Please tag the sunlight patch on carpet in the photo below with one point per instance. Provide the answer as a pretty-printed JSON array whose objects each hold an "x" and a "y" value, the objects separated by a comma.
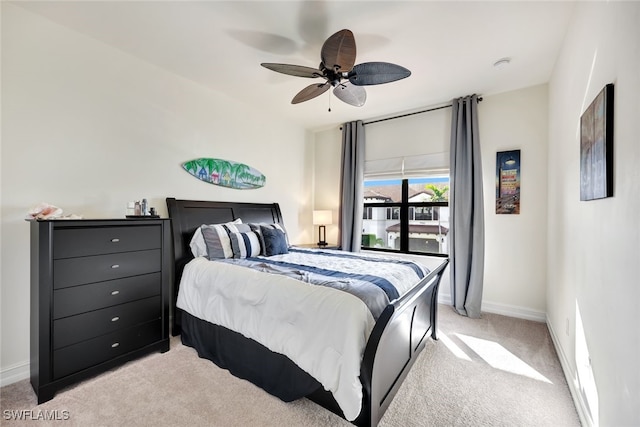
[
  {"x": 499, "y": 357},
  {"x": 457, "y": 351}
]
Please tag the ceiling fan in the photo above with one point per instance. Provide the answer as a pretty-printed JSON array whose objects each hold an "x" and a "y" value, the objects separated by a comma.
[{"x": 338, "y": 56}]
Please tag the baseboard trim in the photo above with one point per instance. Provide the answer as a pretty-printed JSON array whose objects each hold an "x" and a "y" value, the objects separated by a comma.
[
  {"x": 503, "y": 309},
  {"x": 514, "y": 311},
  {"x": 572, "y": 380},
  {"x": 14, "y": 373}
]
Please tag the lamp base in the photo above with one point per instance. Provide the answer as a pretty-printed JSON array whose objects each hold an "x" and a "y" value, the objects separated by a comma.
[{"x": 322, "y": 235}]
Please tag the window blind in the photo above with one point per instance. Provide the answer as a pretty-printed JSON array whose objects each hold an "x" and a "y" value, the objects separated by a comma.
[
  {"x": 407, "y": 166},
  {"x": 410, "y": 146}
]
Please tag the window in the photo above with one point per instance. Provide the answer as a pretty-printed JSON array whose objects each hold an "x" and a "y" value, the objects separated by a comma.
[
  {"x": 408, "y": 215},
  {"x": 393, "y": 213},
  {"x": 367, "y": 213}
]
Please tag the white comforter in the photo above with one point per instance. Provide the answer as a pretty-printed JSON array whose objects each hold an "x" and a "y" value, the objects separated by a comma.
[{"x": 281, "y": 313}]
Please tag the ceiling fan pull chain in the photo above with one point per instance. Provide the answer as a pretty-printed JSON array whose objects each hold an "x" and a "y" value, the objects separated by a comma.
[{"x": 329, "y": 101}]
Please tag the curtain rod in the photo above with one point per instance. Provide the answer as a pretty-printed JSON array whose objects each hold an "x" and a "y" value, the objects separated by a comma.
[{"x": 411, "y": 114}]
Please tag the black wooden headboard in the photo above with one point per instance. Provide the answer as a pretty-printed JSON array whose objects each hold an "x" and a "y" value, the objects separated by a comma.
[{"x": 187, "y": 215}]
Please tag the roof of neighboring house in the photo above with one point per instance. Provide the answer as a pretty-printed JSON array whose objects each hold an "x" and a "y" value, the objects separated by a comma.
[
  {"x": 429, "y": 195},
  {"x": 372, "y": 193},
  {"x": 393, "y": 193},
  {"x": 420, "y": 228}
]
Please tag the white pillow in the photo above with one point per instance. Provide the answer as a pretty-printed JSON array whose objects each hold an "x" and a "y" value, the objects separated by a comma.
[{"x": 199, "y": 246}]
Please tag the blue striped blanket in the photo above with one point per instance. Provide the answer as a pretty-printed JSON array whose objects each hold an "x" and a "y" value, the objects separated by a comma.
[{"x": 376, "y": 280}]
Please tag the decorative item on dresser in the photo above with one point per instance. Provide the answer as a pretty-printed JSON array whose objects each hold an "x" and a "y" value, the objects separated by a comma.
[{"x": 100, "y": 293}]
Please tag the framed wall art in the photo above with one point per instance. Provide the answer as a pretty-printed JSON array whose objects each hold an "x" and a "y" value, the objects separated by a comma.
[
  {"x": 508, "y": 182},
  {"x": 596, "y": 147}
]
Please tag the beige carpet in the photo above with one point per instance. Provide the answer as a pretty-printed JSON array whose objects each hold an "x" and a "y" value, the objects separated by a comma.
[{"x": 493, "y": 371}]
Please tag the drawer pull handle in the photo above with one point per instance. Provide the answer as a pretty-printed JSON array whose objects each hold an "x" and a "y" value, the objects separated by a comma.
[
  {"x": 115, "y": 319},
  {"x": 115, "y": 344},
  {"x": 116, "y": 240},
  {"x": 115, "y": 266},
  {"x": 115, "y": 292}
]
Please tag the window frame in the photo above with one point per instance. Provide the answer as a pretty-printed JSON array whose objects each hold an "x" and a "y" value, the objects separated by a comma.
[{"x": 404, "y": 206}]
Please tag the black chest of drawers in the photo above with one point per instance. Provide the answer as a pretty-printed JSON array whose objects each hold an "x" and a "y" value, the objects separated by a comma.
[{"x": 100, "y": 294}]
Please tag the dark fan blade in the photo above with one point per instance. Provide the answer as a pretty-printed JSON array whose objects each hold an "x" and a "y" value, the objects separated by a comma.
[
  {"x": 352, "y": 95},
  {"x": 339, "y": 51},
  {"x": 293, "y": 70},
  {"x": 375, "y": 73},
  {"x": 310, "y": 92}
]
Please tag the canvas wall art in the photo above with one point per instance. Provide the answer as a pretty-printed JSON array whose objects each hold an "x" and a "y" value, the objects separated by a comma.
[
  {"x": 508, "y": 182},
  {"x": 596, "y": 147}
]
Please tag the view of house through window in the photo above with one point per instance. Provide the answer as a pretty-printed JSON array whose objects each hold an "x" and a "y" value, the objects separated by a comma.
[{"x": 406, "y": 215}]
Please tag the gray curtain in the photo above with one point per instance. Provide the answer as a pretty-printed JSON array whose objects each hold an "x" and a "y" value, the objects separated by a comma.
[
  {"x": 351, "y": 178},
  {"x": 466, "y": 234}
]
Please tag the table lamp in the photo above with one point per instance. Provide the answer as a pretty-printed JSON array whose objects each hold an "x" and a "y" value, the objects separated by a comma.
[{"x": 322, "y": 218}]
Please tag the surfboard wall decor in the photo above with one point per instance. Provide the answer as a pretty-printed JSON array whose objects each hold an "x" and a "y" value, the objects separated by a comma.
[{"x": 225, "y": 173}]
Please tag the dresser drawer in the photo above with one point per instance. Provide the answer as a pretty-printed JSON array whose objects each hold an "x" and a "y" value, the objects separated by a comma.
[
  {"x": 88, "y": 353},
  {"x": 81, "y": 299},
  {"x": 73, "y": 242},
  {"x": 78, "y": 271},
  {"x": 74, "y": 329}
]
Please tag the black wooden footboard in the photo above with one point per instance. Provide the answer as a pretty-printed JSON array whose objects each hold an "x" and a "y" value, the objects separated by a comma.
[{"x": 395, "y": 342}]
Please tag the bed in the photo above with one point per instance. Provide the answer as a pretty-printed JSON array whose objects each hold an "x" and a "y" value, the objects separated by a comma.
[{"x": 393, "y": 339}]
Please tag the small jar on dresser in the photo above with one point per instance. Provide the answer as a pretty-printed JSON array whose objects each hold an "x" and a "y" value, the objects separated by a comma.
[{"x": 99, "y": 297}]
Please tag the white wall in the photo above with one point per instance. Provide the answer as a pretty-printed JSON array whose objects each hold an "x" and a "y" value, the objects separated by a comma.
[
  {"x": 88, "y": 128},
  {"x": 515, "y": 263},
  {"x": 515, "y": 245},
  {"x": 593, "y": 291},
  {"x": 326, "y": 188}
]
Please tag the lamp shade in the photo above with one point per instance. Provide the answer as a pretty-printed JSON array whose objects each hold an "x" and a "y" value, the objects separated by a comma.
[{"x": 323, "y": 217}]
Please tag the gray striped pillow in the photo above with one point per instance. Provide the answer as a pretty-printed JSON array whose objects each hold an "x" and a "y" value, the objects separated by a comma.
[
  {"x": 198, "y": 245},
  {"x": 216, "y": 237},
  {"x": 245, "y": 245}
]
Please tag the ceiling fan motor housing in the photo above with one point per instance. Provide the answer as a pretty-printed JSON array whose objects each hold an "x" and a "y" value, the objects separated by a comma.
[{"x": 333, "y": 76}]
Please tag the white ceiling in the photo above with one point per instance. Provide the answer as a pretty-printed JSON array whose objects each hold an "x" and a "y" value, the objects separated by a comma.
[{"x": 449, "y": 46}]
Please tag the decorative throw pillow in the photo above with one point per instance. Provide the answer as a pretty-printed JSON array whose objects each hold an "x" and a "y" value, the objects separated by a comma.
[
  {"x": 275, "y": 242},
  {"x": 245, "y": 245},
  {"x": 218, "y": 239},
  {"x": 256, "y": 227}
]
